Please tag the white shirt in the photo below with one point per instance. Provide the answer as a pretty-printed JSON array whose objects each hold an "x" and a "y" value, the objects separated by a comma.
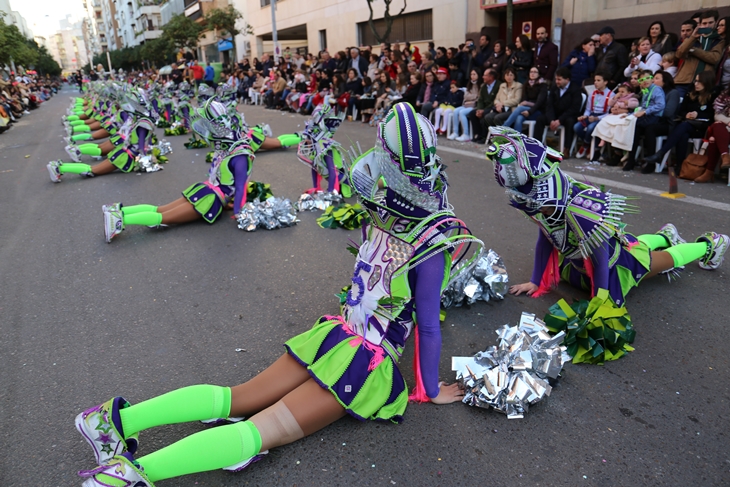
[
  {"x": 563, "y": 90},
  {"x": 599, "y": 104},
  {"x": 652, "y": 63}
]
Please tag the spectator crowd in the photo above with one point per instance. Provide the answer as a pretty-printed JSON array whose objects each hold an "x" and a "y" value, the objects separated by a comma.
[{"x": 22, "y": 93}]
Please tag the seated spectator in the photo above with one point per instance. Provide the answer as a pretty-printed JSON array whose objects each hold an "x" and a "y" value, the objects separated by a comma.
[
  {"x": 718, "y": 136},
  {"x": 702, "y": 51},
  {"x": 534, "y": 96},
  {"x": 427, "y": 63},
  {"x": 665, "y": 124},
  {"x": 439, "y": 91},
  {"x": 581, "y": 61},
  {"x": 660, "y": 41},
  {"x": 522, "y": 58},
  {"x": 373, "y": 66},
  {"x": 441, "y": 60},
  {"x": 356, "y": 101},
  {"x": 562, "y": 107},
  {"x": 646, "y": 59},
  {"x": 413, "y": 89},
  {"x": 278, "y": 85},
  {"x": 459, "y": 117},
  {"x": 454, "y": 99},
  {"x": 597, "y": 107},
  {"x": 455, "y": 73},
  {"x": 669, "y": 64},
  {"x": 508, "y": 97},
  {"x": 634, "y": 84},
  {"x": 695, "y": 115},
  {"x": 485, "y": 103},
  {"x": 616, "y": 128}
]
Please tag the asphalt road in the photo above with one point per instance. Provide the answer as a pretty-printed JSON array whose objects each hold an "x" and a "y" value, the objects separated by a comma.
[{"x": 82, "y": 321}]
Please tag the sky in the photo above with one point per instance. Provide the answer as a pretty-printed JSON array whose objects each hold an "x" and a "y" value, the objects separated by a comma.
[{"x": 43, "y": 16}]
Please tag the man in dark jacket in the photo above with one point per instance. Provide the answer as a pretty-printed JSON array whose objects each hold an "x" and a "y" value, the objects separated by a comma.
[
  {"x": 562, "y": 107},
  {"x": 358, "y": 63},
  {"x": 546, "y": 55},
  {"x": 485, "y": 104},
  {"x": 611, "y": 57}
]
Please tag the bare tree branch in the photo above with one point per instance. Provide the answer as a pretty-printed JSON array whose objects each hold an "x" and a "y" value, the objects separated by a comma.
[{"x": 387, "y": 17}]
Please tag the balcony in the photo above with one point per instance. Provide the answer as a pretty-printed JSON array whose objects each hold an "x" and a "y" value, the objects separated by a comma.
[{"x": 149, "y": 10}]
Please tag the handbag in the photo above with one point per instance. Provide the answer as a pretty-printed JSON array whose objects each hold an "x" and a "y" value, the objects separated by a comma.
[{"x": 693, "y": 166}]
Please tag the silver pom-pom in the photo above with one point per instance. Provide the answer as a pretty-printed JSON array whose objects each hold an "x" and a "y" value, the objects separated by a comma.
[
  {"x": 318, "y": 201},
  {"x": 164, "y": 146},
  {"x": 515, "y": 373},
  {"x": 486, "y": 280},
  {"x": 270, "y": 214},
  {"x": 147, "y": 164}
]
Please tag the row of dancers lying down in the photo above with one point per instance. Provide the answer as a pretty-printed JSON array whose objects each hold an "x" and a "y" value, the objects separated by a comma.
[{"x": 412, "y": 247}]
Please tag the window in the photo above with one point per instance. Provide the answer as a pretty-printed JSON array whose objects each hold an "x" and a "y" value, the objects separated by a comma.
[
  {"x": 415, "y": 26},
  {"x": 323, "y": 39},
  {"x": 266, "y": 3}
]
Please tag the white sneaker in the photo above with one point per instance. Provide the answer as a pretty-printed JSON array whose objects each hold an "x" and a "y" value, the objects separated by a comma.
[
  {"x": 464, "y": 138},
  {"x": 717, "y": 246},
  {"x": 581, "y": 152},
  {"x": 74, "y": 153},
  {"x": 53, "y": 171},
  {"x": 26, "y": 112},
  {"x": 452, "y": 136},
  {"x": 113, "y": 224}
]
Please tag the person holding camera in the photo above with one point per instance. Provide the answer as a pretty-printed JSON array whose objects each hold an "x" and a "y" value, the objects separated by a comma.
[{"x": 699, "y": 52}]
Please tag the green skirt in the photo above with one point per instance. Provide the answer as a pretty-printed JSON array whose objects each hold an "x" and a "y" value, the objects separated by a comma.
[{"x": 365, "y": 380}]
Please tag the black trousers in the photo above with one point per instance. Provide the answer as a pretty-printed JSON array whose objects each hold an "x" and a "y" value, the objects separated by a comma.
[{"x": 542, "y": 121}]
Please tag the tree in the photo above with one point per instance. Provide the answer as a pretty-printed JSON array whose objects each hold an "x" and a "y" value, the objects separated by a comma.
[
  {"x": 46, "y": 64},
  {"x": 223, "y": 22},
  {"x": 386, "y": 17},
  {"x": 181, "y": 31},
  {"x": 157, "y": 51}
]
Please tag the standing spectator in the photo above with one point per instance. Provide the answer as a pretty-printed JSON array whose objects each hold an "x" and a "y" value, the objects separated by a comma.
[
  {"x": 562, "y": 107},
  {"x": 482, "y": 52},
  {"x": 700, "y": 52},
  {"x": 522, "y": 58},
  {"x": 581, "y": 61},
  {"x": 176, "y": 75},
  {"x": 646, "y": 60},
  {"x": 696, "y": 113},
  {"x": 611, "y": 57},
  {"x": 534, "y": 96},
  {"x": 439, "y": 92},
  {"x": 667, "y": 121},
  {"x": 198, "y": 73},
  {"x": 298, "y": 60},
  {"x": 485, "y": 103},
  {"x": 723, "y": 67},
  {"x": 546, "y": 54},
  {"x": 432, "y": 50},
  {"x": 471, "y": 94},
  {"x": 685, "y": 31},
  {"x": 358, "y": 63},
  {"x": 209, "y": 77},
  {"x": 718, "y": 136},
  {"x": 497, "y": 59},
  {"x": 660, "y": 41},
  {"x": 508, "y": 97},
  {"x": 466, "y": 58},
  {"x": 596, "y": 109}
]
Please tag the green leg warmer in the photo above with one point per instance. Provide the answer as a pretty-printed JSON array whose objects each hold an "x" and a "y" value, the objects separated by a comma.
[
  {"x": 192, "y": 403},
  {"x": 654, "y": 241},
  {"x": 80, "y": 137},
  {"x": 72, "y": 118},
  {"x": 147, "y": 219},
  {"x": 75, "y": 123},
  {"x": 90, "y": 150},
  {"x": 683, "y": 254},
  {"x": 74, "y": 168},
  {"x": 131, "y": 210},
  {"x": 81, "y": 128},
  {"x": 212, "y": 449},
  {"x": 288, "y": 140}
]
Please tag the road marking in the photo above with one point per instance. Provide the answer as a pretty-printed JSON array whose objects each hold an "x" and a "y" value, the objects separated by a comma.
[{"x": 611, "y": 183}]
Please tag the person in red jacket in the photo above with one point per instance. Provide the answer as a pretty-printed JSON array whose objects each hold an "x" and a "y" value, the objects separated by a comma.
[{"x": 197, "y": 71}]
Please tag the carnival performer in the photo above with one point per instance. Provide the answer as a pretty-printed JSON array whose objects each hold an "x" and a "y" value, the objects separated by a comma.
[
  {"x": 345, "y": 364},
  {"x": 227, "y": 180},
  {"x": 321, "y": 153},
  {"x": 582, "y": 239},
  {"x": 136, "y": 142}
]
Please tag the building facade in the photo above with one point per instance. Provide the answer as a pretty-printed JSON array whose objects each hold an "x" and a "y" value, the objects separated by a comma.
[
  {"x": 68, "y": 47},
  {"x": 13, "y": 17},
  {"x": 211, "y": 48}
]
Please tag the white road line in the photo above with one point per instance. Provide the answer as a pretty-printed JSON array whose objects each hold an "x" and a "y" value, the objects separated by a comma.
[{"x": 611, "y": 183}]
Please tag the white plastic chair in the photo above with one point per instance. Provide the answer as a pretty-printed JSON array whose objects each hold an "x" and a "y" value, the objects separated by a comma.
[
  {"x": 530, "y": 127},
  {"x": 561, "y": 130}
]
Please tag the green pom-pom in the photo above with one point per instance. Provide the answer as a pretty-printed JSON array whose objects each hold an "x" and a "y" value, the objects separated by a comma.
[
  {"x": 258, "y": 191},
  {"x": 596, "y": 331},
  {"x": 344, "y": 215},
  {"x": 209, "y": 156},
  {"x": 195, "y": 143}
]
